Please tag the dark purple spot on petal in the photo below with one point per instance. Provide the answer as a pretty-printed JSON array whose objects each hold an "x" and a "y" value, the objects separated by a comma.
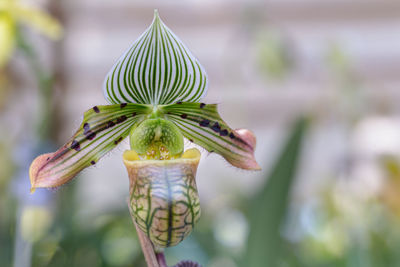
[
  {"x": 75, "y": 145},
  {"x": 216, "y": 127},
  {"x": 123, "y": 105},
  {"x": 202, "y": 105},
  {"x": 93, "y": 162},
  {"x": 96, "y": 109},
  {"x": 232, "y": 136},
  {"x": 48, "y": 158},
  {"x": 204, "y": 123},
  {"x": 223, "y": 133},
  {"x": 133, "y": 114},
  {"x": 90, "y": 135},
  {"x": 117, "y": 141},
  {"x": 179, "y": 102},
  {"x": 121, "y": 119},
  {"x": 110, "y": 124},
  {"x": 184, "y": 116}
]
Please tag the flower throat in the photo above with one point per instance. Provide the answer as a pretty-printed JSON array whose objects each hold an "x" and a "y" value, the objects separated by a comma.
[{"x": 157, "y": 139}]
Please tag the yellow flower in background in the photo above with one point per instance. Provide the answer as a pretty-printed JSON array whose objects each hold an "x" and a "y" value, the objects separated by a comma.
[
  {"x": 7, "y": 37},
  {"x": 13, "y": 13},
  {"x": 35, "y": 223}
]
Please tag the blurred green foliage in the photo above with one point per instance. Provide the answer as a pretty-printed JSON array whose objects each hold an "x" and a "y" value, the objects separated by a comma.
[
  {"x": 274, "y": 58},
  {"x": 108, "y": 240},
  {"x": 7, "y": 224},
  {"x": 269, "y": 207}
]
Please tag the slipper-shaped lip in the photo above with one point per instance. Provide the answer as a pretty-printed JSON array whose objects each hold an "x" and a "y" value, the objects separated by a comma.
[{"x": 168, "y": 185}]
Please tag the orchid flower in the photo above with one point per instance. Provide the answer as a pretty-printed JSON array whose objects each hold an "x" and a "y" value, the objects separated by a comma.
[{"x": 154, "y": 91}]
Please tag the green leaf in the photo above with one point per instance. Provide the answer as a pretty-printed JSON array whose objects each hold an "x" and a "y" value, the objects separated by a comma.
[
  {"x": 269, "y": 207},
  {"x": 102, "y": 129},
  {"x": 157, "y": 69},
  {"x": 201, "y": 124}
]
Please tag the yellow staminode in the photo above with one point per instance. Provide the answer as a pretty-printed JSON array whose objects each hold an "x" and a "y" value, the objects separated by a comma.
[
  {"x": 191, "y": 154},
  {"x": 131, "y": 155}
]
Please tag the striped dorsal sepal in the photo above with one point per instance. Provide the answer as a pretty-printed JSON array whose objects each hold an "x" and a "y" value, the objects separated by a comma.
[
  {"x": 200, "y": 123},
  {"x": 157, "y": 69},
  {"x": 102, "y": 129}
]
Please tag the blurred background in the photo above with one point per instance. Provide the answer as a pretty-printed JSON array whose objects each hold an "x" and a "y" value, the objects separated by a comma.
[{"x": 317, "y": 81}]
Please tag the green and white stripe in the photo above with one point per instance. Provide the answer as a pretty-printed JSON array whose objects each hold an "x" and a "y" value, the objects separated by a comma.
[
  {"x": 200, "y": 123},
  {"x": 102, "y": 129},
  {"x": 157, "y": 69}
]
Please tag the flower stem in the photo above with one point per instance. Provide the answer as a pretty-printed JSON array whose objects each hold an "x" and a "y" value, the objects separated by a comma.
[
  {"x": 147, "y": 248},
  {"x": 152, "y": 259},
  {"x": 161, "y": 259}
]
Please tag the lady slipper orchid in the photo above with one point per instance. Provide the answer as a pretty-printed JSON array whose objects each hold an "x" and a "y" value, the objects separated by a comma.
[{"x": 154, "y": 91}]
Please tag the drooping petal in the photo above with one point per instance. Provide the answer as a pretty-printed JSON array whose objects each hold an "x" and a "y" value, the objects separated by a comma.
[
  {"x": 102, "y": 129},
  {"x": 157, "y": 69},
  {"x": 201, "y": 124}
]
